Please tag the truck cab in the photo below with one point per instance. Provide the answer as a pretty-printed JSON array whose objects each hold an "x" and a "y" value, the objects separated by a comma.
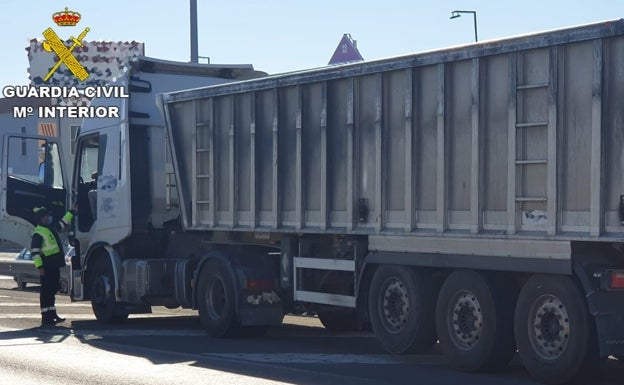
[{"x": 121, "y": 177}]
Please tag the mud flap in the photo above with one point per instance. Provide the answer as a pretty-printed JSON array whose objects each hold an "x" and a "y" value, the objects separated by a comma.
[
  {"x": 261, "y": 308},
  {"x": 611, "y": 334},
  {"x": 606, "y": 307}
]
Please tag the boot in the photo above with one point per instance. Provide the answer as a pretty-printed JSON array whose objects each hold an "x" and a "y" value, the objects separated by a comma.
[
  {"x": 47, "y": 318},
  {"x": 56, "y": 318}
]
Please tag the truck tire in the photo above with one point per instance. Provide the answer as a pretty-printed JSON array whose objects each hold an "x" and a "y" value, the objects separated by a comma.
[
  {"x": 553, "y": 330},
  {"x": 215, "y": 300},
  {"x": 401, "y": 305},
  {"x": 339, "y": 320},
  {"x": 105, "y": 308},
  {"x": 474, "y": 321}
]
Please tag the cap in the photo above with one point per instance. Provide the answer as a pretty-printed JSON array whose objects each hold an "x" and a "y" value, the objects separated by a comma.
[{"x": 40, "y": 212}]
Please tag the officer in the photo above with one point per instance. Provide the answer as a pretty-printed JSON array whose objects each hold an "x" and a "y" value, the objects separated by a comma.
[{"x": 49, "y": 256}]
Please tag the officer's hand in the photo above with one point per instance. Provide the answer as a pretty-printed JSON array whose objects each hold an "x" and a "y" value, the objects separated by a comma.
[{"x": 41, "y": 271}]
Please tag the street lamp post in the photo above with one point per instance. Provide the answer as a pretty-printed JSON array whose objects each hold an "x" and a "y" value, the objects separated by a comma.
[
  {"x": 456, "y": 14},
  {"x": 194, "y": 45}
]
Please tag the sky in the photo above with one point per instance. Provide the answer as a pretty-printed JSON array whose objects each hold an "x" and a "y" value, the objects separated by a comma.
[{"x": 286, "y": 35}]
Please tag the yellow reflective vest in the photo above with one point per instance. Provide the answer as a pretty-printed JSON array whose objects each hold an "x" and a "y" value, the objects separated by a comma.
[{"x": 49, "y": 245}]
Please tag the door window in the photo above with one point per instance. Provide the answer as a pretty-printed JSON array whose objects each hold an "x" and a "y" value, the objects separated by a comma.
[
  {"x": 90, "y": 167},
  {"x": 34, "y": 177}
]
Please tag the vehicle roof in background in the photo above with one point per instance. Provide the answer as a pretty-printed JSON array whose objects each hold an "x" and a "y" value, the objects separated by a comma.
[{"x": 225, "y": 71}]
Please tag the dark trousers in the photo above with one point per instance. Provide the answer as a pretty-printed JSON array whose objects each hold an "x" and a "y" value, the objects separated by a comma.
[{"x": 49, "y": 287}]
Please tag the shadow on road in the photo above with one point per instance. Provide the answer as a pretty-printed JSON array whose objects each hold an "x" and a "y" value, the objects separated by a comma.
[{"x": 38, "y": 335}]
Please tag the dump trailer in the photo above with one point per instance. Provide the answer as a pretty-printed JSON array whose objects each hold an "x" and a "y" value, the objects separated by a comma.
[{"x": 470, "y": 196}]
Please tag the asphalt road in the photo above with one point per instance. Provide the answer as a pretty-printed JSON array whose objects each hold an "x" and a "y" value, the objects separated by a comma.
[{"x": 169, "y": 347}]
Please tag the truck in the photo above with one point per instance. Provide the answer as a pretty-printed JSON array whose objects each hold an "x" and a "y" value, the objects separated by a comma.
[{"x": 471, "y": 197}]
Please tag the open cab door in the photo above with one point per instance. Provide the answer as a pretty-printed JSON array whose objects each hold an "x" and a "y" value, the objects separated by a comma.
[{"x": 30, "y": 176}]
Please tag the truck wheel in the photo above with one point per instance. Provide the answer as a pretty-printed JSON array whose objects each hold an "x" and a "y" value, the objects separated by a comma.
[
  {"x": 474, "y": 322},
  {"x": 103, "y": 303},
  {"x": 401, "y": 304},
  {"x": 339, "y": 320},
  {"x": 215, "y": 300},
  {"x": 553, "y": 330}
]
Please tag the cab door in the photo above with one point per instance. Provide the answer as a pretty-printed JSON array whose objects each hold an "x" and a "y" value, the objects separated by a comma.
[
  {"x": 102, "y": 194},
  {"x": 31, "y": 176}
]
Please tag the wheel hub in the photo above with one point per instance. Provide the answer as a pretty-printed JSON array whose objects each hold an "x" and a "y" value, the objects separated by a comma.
[
  {"x": 215, "y": 299},
  {"x": 395, "y": 305},
  {"x": 549, "y": 329},
  {"x": 465, "y": 320},
  {"x": 101, "y": 290}
]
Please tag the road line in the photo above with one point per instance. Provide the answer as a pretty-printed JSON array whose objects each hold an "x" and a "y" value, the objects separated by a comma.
[
  {"x": 38, "y": 315},
  {"x": 21, "y": 341},
  {"x": 96, "y": 334},
  {"x": 58, "y": 305},
  {"x": 71, "y": 316}
]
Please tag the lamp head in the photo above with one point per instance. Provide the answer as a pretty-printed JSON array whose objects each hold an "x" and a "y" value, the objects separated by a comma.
[{"x": 455, "y": 15}]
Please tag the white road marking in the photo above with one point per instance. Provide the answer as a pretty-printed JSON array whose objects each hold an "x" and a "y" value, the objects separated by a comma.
[
  {"x": 70, "y": 317},
  {"x": 96, "y": 334},
  {"x": 31, "y": 304},
  {"x": 38, "y": 315},
  {"x": 308, "y": 358},
  {"x": 21, "y": 341}
]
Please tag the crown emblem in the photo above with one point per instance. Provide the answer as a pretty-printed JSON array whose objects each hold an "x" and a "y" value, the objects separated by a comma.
[{"x": 66, "y": 18}]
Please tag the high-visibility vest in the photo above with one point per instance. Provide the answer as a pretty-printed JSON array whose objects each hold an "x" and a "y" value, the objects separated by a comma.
[{"x": 49, "y": 245}]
